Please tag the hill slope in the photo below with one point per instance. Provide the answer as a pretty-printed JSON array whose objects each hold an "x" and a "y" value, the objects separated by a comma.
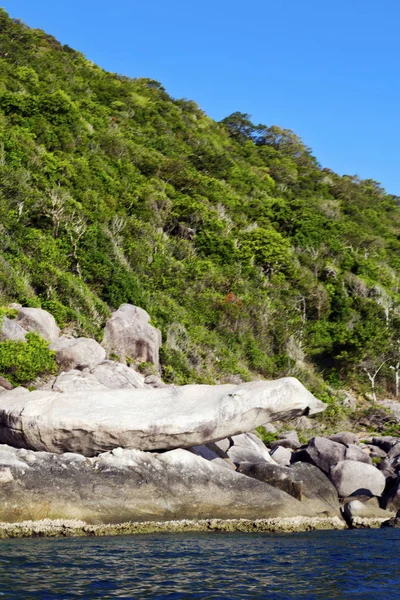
[{"x": 251, "y": 258}]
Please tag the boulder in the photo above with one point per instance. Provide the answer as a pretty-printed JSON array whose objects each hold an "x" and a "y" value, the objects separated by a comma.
[
  {"x": 148, "y": 419},
  {"x": 77, "y": 353},
  {"x": 344, "y": 437},
  {"x": 351, "y": 477},
  {"x": 11, "y": 330},
  {"x": 385, "y": 442},
  {"x": 354, "y": 452},
  {"x": 394, "y": 408},
  {"x": 76, "y": 381},
  {"x": 117, "y": 376},
  {"x": 302, "y": 481},
  {"x": 287, "y": 439},
  {"x": 247, "y": 447},
  {"x": 360, "y": 514},
  {"x": 5, "y": 384},
  {"x": 323, "y": 453},
  {"x": 39, "y": 321},
  {"x": 130, "y": 485},
  {"x": 208, "y": 453},
  {"x": 128, "y": 334},
  {"x": 282, "y": 456}
]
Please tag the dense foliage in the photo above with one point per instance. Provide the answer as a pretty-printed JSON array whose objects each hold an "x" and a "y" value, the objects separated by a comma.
[{"x": 249, "y": 256}]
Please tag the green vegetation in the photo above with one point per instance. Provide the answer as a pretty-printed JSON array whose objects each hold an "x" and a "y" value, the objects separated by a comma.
[
  {"x": 22, "y": 362},
  {"x": 251, "y": 258}
]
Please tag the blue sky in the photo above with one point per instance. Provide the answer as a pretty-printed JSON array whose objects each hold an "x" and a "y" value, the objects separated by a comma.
[{"x": 328, "y": 69}]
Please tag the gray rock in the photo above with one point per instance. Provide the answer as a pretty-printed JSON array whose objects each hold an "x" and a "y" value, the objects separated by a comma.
[
  {"x": 393, "y": 406},
  {"x": 149, "y": 419},
  {"x": 11, "y": 330},
  {"x": 370, "y": 510},
  {"x": 354, "y": 452},
  {"x": 76, "y": 381},
  {"x": 376, "y": 452},
  {"x": 5, "y": 384},
  {"x": 40, "y": 321},
  {"x": 209, "y": 454},
  {"x": 130, "y": 485},
  {"x": 287, "y": 439},
  {"x": 154, "y": 381},
  {"x": 128, "y": 334},
  {"x": 324, "y": 453},
  {"x": 5, "y": 475},
  {"x": 281, "y": 455},
  {"x": 117, "y": 376},
  {"x": 385, "y": 442},
  {"x": 349, "y": 399},
  {"x": 247, "y": 447},
  {"x": 302, "y": 481},
  {"x": 344, "y": 437},
  {"x": 351, "y": 477},
  {"x": 77, "y": 353}
]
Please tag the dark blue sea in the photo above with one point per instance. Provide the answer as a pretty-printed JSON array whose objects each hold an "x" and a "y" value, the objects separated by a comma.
[{"x": 326, "y": 564}]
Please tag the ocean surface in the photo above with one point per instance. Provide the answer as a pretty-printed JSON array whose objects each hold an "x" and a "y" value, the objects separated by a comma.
[{"x": 320, "y": 564}]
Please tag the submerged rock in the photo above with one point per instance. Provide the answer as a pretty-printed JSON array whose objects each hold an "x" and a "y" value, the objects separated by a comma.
[{"x": 148, "y": 419}]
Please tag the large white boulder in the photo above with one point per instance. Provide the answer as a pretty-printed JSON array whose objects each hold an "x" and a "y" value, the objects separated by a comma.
[
  {"x": 148, "y": 419},
  {"x": 128, "y": 334},
  {"x": 39, "y": 321},
  {"x": 77, "y": 353}
]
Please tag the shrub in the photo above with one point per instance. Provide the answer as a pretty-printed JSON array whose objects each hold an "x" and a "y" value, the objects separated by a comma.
[{"x": 21, "y": 362}]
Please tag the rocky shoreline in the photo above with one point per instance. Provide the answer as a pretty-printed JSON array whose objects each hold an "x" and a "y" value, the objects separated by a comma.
[
  {"x": 59, "y": 528},
  {"x": 102, "y": 450}
]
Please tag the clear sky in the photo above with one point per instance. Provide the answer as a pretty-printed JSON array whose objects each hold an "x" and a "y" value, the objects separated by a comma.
[{"x": 328, "y": 69}]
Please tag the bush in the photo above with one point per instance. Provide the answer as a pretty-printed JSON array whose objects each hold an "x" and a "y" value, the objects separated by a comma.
[{"x": 22, "y": 362}]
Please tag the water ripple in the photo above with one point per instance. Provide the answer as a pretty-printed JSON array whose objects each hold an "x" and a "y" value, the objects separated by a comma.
[{"x": 312, "y": 566}]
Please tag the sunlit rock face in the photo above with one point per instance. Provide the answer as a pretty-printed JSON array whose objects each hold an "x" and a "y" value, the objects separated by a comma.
[
  {"x": 131, "y": 485},
  {"x": 89, "y": 422}
]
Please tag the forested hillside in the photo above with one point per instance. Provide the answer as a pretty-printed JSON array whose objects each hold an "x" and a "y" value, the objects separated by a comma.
[{"x": 251, "y": 258}]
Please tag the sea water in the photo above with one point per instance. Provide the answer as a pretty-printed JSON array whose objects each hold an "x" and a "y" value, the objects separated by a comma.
[{"x": 319, "y": 564}]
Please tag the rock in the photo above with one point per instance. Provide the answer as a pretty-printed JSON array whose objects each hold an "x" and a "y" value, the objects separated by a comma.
[
  {"x": 154, "y": 381},
  {"x": 354, "y": 452},
  {"x": 302, "y": 481},
  {"x": 130, "y": 485},
  {"x": 128, "y": 334},
  {"x": 40, "y": 321},
  {"x": 352, "y": 477},
  {"x": 5, "y": 384},
  {"x": 391, "y": 498},
  {"x": 209, "y": 454},
  {"x": 324, "y": 453},
  {"x": 349, "y": 400},
  {"x": 117, "y": 376},
  {"x": 5, "y": 475},
  {"x": 247, "y": 447},
  {"x": 344, "y": 437},
  {"x": 77, "y": 353},
  {"x": 393, "y": 406},
  {"x": 281, "y": 455},
  {"x": 375, "y": 452},
  {"x": 149, "y": 419},
  {"x": 287, "y": 439},
  {"x": 11, "y": 330},
  {"x": 385, "y": 442},
  {"x": 358, "y": 514},
  {"x": 76, "y": 381}
]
